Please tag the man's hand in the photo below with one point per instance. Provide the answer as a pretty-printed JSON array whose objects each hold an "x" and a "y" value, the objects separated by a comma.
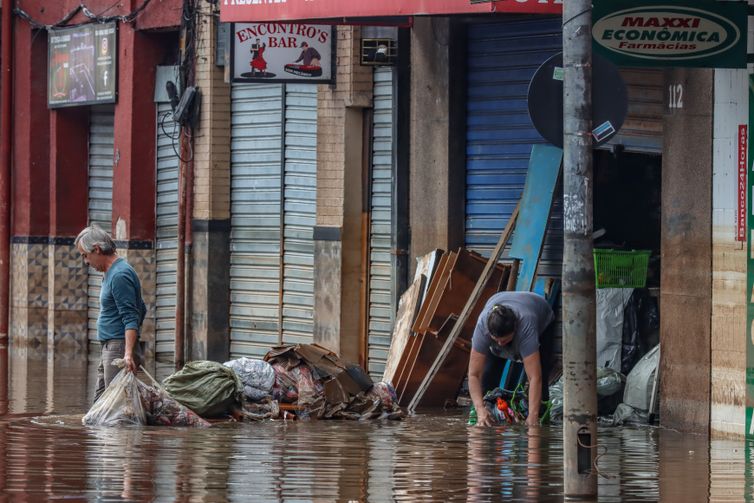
[
  {"x": 132, "y": 339},
  {"x": 483, "y": 417},
  {"x": 130, "y": 363}
]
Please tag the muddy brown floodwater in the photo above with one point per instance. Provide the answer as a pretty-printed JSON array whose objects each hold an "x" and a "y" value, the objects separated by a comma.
[{"x": 46, "y": 454}]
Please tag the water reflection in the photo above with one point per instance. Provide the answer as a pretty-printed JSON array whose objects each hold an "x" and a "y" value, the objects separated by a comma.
[{"x": 425, "y": 458}]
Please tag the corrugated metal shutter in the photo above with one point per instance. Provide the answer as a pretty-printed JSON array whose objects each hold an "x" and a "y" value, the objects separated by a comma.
[
  {"x": 256, "y": 139},
  {"x": 382, "y": 293},
  {"x": 101, "y": 149},
  {"x": 166, "y": 244},
  {"x": 299, "y": 212},
  {"x": 642, "y": 129},
  {"x": 502, "y": 58}
]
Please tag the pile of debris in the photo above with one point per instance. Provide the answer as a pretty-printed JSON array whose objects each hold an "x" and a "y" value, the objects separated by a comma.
[
  {"x": 303, "y": 381},
  {"x": 309, "y": 381}
]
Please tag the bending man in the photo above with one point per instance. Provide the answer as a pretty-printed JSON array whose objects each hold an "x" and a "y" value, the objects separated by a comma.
[
  {"x": 122, "y": 308},
  {"x": 512, "y": 326}
]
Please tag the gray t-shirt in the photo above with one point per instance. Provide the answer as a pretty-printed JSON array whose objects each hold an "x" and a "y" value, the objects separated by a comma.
[{"x": 533, "y": 314}]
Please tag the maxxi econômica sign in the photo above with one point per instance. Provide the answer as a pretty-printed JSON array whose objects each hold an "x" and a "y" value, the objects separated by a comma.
[{"x": 670, "y": 33}]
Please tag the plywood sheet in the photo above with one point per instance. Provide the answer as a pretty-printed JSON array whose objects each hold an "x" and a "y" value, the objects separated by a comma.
[{"x": 408, "y": 307}]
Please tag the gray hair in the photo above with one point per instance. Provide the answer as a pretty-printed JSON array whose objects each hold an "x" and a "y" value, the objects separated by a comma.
[{"x": 95, "y": 236}]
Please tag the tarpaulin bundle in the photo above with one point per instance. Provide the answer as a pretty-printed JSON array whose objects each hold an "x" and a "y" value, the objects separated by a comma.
[
  {"x": 324, "y": 386},
  {"x": 208, "y": 388}
]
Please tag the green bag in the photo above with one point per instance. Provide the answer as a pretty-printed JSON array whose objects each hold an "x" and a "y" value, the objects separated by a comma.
[{"x": 208, "y": 388}]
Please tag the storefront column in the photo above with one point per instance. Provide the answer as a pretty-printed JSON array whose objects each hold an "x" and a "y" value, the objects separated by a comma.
[
  {"x": 686, "y": 282},
  {"x": 29, "y": 254},
  {"x": 338, "y": 234},
  {"x": 209, "y": 334},
  {"x": 134, "y": 164},
  {"x": 437, "y": 136}
]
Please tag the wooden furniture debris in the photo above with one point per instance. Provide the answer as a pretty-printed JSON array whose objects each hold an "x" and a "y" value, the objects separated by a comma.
[
  {"x": 535, "y": 205},
  {"x": 470, "y": 304}
]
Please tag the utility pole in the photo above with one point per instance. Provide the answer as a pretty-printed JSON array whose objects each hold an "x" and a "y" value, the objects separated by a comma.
[{"x": 579, "y": 330}]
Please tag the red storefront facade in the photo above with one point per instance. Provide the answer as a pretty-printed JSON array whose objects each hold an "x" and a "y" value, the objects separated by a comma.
[{"x": 51, "y": 150}]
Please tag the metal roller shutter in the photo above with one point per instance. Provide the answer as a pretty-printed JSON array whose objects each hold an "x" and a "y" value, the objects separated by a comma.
[
  {"x": 273, "y": 213},
  {"x": 502, "y": 58},
  {"x": 256, "y": 139},
  {"x": 642, "y": 129},
  {"x": 299, "y": 212},
  {"x": 166, "y": 243},
  {"x": 382, "y": 272},
  {"x": 100, "y": 205}
]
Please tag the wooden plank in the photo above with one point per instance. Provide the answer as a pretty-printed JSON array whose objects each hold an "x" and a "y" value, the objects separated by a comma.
[
  {"x": 408, "y": 307},
  {"x": 427, "y": 265},
  {"x": 408, "y": 364},
  {"x": 535, "y": 204},
  {"x": 513, "y": 276},
  {"x": 439, "y": 280},
  {"x": 430, "y": 265},
  {"x": 470, "y": 303}
]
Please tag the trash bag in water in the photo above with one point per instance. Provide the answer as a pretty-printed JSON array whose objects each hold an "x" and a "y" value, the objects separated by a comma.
[
  {"x": 208, "y": 388},
  {"x": 163, "y": 410},
  {"x": 641, "y": 321},
  {"x": 610, "y": 384},
  {"x": 257, "y": 377},
  {"x": 556, "y": 399},
  {"x": 120, "y": 404}
]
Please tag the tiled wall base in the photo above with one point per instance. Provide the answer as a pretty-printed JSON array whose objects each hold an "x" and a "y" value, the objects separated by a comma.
[
  {"x": 29, "y": 297},
  {"x": 67, "y": 312},
  {"x": 49, "y": 311},
  {"x": 143, "y": 262}
]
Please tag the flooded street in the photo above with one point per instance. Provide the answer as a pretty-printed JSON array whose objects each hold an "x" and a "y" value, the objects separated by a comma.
[{"x": 430, "y": 457}]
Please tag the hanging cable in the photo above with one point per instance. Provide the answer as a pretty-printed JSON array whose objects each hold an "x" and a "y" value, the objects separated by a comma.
[{"x": 93, "y": 18}]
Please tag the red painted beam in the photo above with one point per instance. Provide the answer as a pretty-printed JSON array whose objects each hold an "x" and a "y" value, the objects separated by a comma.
[
  {"x": 6, "y": 124},
  {"x": 69, "y": 135},
  {"x": 135, "y": 133},
  {"x": 31, "y": 139}
]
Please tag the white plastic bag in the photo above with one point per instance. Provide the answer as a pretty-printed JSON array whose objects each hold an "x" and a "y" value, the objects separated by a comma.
[{"x": 119, "y": 405}]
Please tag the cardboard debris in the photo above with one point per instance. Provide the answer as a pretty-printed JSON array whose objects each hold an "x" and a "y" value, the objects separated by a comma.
[{"x": 341, "y": 389}]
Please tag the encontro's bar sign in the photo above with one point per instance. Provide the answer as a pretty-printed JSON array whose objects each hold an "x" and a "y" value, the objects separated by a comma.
[
  {"x": 282, "y": 52},
  {"x": 291, "y": 10},
  {"x": 671, "y": 33}
]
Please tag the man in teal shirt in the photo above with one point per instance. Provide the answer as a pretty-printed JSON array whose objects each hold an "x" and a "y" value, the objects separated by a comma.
[{"x": 122, "y": 308}]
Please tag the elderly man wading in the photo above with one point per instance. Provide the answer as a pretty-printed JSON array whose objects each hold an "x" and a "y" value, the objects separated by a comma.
[{"x": 122, "y": 309}]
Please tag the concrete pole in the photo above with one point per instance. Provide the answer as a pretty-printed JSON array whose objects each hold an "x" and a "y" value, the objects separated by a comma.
[{"x": 579, "y": 331}]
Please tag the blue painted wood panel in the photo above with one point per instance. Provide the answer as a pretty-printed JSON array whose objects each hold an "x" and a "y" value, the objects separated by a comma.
[{"x": 536, "y": 202}]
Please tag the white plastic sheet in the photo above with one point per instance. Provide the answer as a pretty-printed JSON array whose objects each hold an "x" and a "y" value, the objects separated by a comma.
[{"x": 610, "y": 305}]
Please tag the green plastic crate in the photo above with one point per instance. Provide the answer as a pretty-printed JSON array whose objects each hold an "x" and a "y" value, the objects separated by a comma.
[{"x": 620, "y": 268}]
